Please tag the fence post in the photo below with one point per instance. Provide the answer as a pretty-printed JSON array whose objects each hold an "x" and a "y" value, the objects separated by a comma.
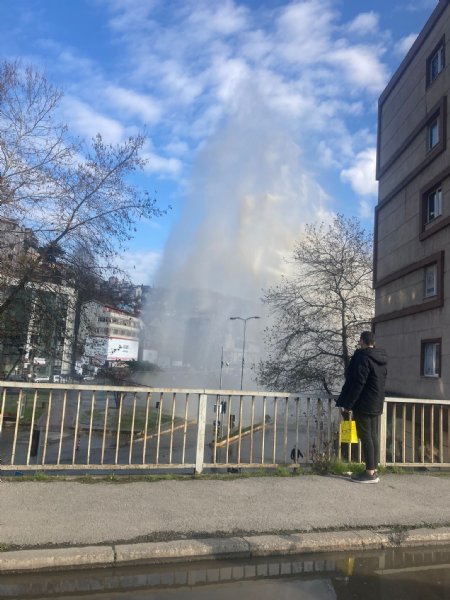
[
  {"x": 201, "y": 424},
  {"x": 383, "y": 426}
]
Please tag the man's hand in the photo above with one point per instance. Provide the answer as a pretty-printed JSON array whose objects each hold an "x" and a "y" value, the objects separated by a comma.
[{"x": 345, "y": 414}]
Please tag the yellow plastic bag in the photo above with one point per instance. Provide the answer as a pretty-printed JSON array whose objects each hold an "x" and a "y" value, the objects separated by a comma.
[{"x": 348, "y": 432}]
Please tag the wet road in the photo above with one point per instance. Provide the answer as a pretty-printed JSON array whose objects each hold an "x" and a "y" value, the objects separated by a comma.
[{"x": 400, "y": 574}]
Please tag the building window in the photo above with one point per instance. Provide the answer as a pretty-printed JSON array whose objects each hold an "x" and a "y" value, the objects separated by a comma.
[
  {"x": 433, "y": 134},
  {"x": 433, "y": 207},
  {"x": 431, "y": 358},
  {"x": 430, "y": 281},
  {"x": 436, "y": 63}
]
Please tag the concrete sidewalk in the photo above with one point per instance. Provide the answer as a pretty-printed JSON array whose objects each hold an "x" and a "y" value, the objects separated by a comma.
[{"x": 112, "y": 523}]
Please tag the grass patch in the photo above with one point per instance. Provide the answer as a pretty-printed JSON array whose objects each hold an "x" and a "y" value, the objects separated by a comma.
[
  {"x": 394, "y": 469},
  {"x": 28, "y": 414},
  {"x": 92, "y": 479},
  {"x": 11, "y": 405},
  {"x": 280, "y": 471},
  {"x": 291, "y": 470},
  {"x": 338, "y": 467}
]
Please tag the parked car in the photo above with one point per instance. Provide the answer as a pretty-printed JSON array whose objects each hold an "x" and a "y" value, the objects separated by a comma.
[
  {"x": 41, "y": 379},
  {"x": 14, "y": 377}
]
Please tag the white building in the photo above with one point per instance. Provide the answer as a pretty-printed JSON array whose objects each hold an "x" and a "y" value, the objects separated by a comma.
[{"x": 108, "y": 334}]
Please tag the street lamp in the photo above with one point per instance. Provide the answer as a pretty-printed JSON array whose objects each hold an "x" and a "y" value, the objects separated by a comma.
[{"x": 243, "y": 345}]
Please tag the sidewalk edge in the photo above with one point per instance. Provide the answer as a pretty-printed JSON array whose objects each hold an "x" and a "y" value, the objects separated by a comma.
[{"x": 79, "y": 557}]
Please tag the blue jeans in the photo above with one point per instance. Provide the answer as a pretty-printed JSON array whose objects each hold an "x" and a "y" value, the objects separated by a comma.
[{"x": 367, "y": 430}]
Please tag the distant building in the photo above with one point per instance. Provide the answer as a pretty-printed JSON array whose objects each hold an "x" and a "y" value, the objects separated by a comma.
[
  {"x": 124, "y": 295},
  {"x": 16, "y": 242},
  {"x": 108, "y": 335},
  {"x": 412, "y": 219},
  {"x": 37, "y": 327}
]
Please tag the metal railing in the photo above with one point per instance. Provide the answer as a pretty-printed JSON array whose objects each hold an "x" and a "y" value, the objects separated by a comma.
[
  {"x": 103, "y": 428},
  {"x": 97, "y": 428},
  {"x": 416, "y": 432}
]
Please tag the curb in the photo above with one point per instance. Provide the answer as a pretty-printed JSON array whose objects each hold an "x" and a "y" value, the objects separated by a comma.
[
  {"x": 58, "y": 558},
  {"x": 217, "y": 548}
]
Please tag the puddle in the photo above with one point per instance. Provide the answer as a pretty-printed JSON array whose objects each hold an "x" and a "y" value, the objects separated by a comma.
[{"x": 400, "y": 574}]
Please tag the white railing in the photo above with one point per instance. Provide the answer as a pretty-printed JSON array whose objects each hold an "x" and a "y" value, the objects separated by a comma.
[
  {"x": 416, "y": 432},
  {"x": 101, "y": 428},
  {"x": 97, "y": 428}
]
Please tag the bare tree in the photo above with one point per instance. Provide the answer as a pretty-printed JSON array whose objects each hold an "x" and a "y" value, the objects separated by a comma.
[
  {"x": 58, "y": 195},
  {"x": 33, "y": 145},
  {"x": 320, "y": 309}
]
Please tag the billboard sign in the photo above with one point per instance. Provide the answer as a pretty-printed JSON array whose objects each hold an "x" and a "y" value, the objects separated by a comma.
[
  {"x": 121, "y": 349},
  {"x": 96, "y": 347}
]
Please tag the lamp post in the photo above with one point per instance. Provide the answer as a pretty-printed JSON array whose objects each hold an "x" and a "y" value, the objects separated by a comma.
[{"x": 243, "y": 345}]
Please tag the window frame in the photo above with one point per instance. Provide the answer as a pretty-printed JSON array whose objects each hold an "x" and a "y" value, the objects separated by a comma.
[
  {"x": 434, "y": 292},
  {"x": 428, "y": 226},
  {"x": 437, "y": 358},
  {"x": 436, "y": 195},
  {"x": 439, "y": 53},
  {"x": 431, "y": 127}
]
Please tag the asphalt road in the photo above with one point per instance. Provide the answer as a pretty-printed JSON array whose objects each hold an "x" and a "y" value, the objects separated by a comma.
[{"x": 42, "y": 514}]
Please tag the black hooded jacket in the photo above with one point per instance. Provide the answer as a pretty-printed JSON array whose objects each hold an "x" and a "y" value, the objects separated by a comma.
[{"x": 363, "y": 390}]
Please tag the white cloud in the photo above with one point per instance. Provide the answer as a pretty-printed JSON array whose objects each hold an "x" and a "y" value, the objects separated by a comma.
[
  {"x": 177, "y": 82},
  {"x": 229, "y": 75},
  {"x": 364, "y": 24},
  {"x": 76, "y": 63},
  {"x": 88, "y": 122},
  {"x": 177, "y": 147},
  {"x": 260, "y": 101},
  {"x": 130, "y": 14},
  {"x": 216, "y": 18},
  {"x": 142, "y": 105},
  {"x": 403, "y": 45},
  {"x": 304, "y": 30},
  {"x": 204, "y": 124},
  {"x": 198, "y": 58},
  {"x": 187, "y": 71},
  {"x": 256, "y": 45},
  {"x": 327, "y": 156},
  {"x": 361, "y": 66},
  {"x": 365, "y": 209},
  {"x": 161, "y": 165},
  {"x": 140, "y": 266},
  {"x": 361, "y": 175}
]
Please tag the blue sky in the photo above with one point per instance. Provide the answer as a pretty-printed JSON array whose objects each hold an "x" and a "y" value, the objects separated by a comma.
[{"x": 260, "y": 115}]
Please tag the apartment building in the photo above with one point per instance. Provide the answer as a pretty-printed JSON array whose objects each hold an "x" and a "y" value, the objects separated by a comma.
[
  {"x": 16, "y": 242},
  {"x": 37, "y": 327},
  {"x": 412, "y": 218},
  {"x": 108, "y": 334}
]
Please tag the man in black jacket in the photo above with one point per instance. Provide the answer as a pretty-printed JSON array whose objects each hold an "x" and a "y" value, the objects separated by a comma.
[{"x": 363, "y": 394}]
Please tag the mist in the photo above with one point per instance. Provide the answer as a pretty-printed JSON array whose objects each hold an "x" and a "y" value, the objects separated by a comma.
[{"x": 248, "y": 200}]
